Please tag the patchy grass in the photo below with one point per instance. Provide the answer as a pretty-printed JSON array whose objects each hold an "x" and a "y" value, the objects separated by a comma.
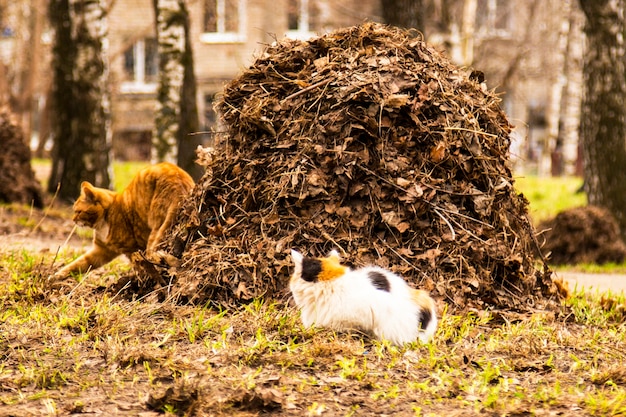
[
  {"x": 124, "y": 171},
  {"x": 607, "y": 268},
  {"x": 76, "y": 347},
  {"x": 550, "y": 195}
]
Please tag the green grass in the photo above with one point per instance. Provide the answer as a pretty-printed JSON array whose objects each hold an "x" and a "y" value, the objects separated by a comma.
[
  {"x": 74, "y": 348},
  {"x": 607, "y": 268},
  {"x": 548, "y": 196},
  {"x": 123, "y": 171}
]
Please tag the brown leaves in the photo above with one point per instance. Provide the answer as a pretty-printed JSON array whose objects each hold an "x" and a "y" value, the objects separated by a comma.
[
  {"x": 393, "y": 219},
  {"x": 369, "y": 141}
]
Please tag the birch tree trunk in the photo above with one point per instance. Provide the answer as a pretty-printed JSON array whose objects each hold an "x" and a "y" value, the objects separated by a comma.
[
  {"x": 603, "y": 125},
  {"x": 553, "y": 112},
  {"x": 177, "y": 111},
  {"x": 468, "y": 30},
  {"x": 81, "y": 122},
  {"x": 570, "y": 113},
  {"x": 171, "y": 39}
]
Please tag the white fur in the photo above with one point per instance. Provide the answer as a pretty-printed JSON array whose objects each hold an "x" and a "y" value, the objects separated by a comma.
[{"x": 352, "y": 302}]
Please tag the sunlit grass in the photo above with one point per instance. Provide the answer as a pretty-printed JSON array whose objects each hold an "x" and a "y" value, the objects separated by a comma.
[
  {"x": 548, "y": 196},
  {"x": 607, "y": 268},
  {"x": 123, "y": 172}
]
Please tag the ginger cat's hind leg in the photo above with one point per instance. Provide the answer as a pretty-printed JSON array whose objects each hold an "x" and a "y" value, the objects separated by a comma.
[{"x": 153, "y": 254}]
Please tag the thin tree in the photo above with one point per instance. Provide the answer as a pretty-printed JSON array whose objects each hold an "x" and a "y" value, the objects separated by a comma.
[
  {"x": 80, "y": 98},
  {"x": 568, "y": 143},
  {"x": 177, "y": 113},
  {"x": 603, "y": 124}
]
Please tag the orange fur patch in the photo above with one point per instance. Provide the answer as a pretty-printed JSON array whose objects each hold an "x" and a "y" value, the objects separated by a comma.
[
  {"x": 331, "y": 269},
  {"x": 422, "y": 299}
]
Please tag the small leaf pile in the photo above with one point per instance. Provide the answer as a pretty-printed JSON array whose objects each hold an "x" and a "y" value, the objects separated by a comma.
[
  {"x": 17, "y": 180},
  {"x": 588, "y": 234},
  {"x": 369, "y": 141}
]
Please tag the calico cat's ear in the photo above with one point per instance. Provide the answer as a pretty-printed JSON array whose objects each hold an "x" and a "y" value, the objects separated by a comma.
[
  {"x": 87, "y": 190},
  {"x": 296, "y": 256}
]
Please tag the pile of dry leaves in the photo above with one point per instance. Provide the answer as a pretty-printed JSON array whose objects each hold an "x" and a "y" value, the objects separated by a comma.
[
  {"x": 588, "y": 234},
  {"x": 17, "y": 180},
  {"x": 369, "y": 141}
]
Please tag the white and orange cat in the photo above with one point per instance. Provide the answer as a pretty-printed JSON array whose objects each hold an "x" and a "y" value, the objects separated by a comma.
[
  {"x": 370, "y": 299},
  {"x": 132, "y": 221}
]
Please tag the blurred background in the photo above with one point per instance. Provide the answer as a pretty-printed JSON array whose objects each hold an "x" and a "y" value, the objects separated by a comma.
[
  {"x": 98, "y": 81},
  {"x": 530, "y": 52}
]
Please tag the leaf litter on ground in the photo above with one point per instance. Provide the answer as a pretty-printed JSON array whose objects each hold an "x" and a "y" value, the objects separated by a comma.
[{"x": 89, "y": 348}]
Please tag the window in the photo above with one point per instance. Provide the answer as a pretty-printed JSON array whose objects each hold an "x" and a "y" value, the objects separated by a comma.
[
  {"x": 493, "y": 17},
  {"x": 224, "y": 21},
  {"x": 141, "y": 66},
  {"x": 303, "y": 18}
]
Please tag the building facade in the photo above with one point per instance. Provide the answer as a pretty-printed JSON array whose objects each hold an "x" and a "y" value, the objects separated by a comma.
[{"x": 226, "y": 36}]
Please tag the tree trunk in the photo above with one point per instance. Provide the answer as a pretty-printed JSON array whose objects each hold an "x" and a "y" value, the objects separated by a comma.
[
  {"x": 404, "y": 13},
  {"x": 32, "y": 57},
  {"x": 170, "y": 28},
  {"x": 570, "y": 113},
  {"x": 468, "y": 31},
  {"x": 553, "y": 112},
  {"x": 603, "y": 126},
  {"x": 81, "y": 105},
  {"x": 188, "y": 137},
  {"x": 177, "y": 110}
]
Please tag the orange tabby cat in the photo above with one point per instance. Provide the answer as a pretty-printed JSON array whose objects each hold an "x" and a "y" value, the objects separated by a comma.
[{"x": 134, "y": 220}]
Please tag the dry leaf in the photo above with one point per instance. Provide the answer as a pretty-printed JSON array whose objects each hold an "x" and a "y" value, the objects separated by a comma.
[
  {"x": 438, "y": 152},
  {"x": 393, "y": 219},
  {"x": 396, "y": 100}
]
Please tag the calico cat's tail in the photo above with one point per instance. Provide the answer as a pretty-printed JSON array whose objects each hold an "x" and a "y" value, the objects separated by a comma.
[{"x": 427, "y": 314}]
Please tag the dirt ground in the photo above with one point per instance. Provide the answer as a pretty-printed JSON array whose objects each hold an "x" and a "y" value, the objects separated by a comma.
[
  {"x": 595, "y": 282},
  {"x": 47, "y": 230}
]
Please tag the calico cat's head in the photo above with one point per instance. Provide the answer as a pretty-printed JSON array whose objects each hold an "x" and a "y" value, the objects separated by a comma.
[
  {"x": 91, "y": 205},
  {"x": 317, "y": 269}
]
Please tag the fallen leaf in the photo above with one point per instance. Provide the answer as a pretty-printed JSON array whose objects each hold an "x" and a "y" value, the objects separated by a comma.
[
  {"x": 396, "y": 100},
  {"x": 438, "y": 152}
]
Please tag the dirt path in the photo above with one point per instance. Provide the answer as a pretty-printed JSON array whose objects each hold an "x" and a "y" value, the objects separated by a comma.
[
  {"x": 616, "y": 283},
  {"x": 35, "y": 230}
]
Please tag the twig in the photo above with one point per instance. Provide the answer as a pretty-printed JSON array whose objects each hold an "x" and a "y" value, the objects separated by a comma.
[
  {"x": 446, "y": 221},
  {"x": 69, "y": 236},
  {"x": 69, "y": 295},
  {"x": 461, "y": 215},
  {"x": 304, "y": 90},
  {"x": 478, "y": 132},
  {"x": 64, "y": 244}
]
